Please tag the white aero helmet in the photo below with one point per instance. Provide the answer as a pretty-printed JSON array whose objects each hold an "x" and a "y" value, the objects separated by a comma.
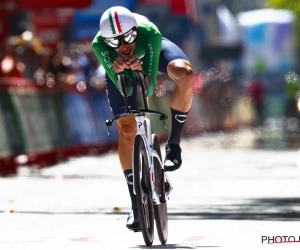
[{"x": 116, "y": 21}]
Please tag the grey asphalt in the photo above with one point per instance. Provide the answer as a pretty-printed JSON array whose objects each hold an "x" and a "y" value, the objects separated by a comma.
[{"x": 228, "y": 194}]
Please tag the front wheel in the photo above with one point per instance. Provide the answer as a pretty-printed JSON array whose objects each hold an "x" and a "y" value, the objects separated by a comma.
[
  {"x": 160, "y": 211},
  {"x": 143, "y": 189}
]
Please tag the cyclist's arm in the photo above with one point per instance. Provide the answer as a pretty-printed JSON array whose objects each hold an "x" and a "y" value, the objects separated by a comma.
[
  {"x": 151, "y": 59},
  {"x": 106, "y": 56}
]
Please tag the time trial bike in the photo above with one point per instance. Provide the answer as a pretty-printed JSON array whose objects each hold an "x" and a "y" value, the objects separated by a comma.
[{"x": 151, "y": 183}]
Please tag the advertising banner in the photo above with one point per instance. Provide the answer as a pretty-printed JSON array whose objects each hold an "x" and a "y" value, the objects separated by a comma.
[
  {"x": 10, "y": 6},
  {"x": 268, "y": 40},
  {"x": 48, "y": 23}
]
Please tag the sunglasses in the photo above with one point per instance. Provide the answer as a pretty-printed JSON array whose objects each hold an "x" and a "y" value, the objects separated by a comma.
[{"x": 127, "y": 38}]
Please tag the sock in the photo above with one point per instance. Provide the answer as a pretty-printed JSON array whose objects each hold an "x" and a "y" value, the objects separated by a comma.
[
  {"x": 129, "y": 179},
  {"x": 178, "y": 120}
]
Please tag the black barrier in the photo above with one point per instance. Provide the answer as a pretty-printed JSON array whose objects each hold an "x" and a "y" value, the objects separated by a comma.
[
  {"x": 101, "y": 112},
  {"x": 13, "y": 128},
  {"x": 65, "y": 133},
  {"x": 52, "y": 105}
]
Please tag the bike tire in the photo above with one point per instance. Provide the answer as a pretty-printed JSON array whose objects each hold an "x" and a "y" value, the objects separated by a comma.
[
  {"x": 142, "y": 189},
  {"x": 161, "y": 210}
]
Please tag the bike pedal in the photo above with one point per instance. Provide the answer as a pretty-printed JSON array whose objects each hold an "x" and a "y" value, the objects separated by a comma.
[{"x": 162, "y": 200}]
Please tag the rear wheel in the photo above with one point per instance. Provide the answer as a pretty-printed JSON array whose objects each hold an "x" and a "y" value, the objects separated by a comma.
[
  {"x": 160, "y": 211},
  {"x": 142, "y": 189}
]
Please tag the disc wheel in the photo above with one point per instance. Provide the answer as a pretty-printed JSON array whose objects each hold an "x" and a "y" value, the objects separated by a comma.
[
  {"x": 160, "y": 211},
  {"x": 142, "y": 189}
]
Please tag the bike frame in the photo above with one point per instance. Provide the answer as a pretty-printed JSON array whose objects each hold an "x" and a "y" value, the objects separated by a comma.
[
  {"x": 146, "y": 134},
  {"x": 142, "y": 117}
]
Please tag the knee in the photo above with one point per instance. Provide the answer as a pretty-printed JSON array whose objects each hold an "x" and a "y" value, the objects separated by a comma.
[
  {"x": 182, "y": 73},
  {"x": 127, "y": 128}
]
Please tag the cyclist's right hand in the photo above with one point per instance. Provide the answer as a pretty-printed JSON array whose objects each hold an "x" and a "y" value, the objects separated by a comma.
[{"x": 120, "y": 64}]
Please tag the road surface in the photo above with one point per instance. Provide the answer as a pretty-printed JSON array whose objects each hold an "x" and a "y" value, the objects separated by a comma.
[{"x": 227, "y": 195}]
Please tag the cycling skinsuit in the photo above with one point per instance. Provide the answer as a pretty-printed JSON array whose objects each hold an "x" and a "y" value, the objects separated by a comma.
[{"x": 155, "y": 51}]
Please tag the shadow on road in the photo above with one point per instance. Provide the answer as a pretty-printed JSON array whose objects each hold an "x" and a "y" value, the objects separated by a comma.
[
  {"x": 272, "y": 209},
  {"x": 166, "y": 246},
  {"x": 170, "y": 246},
  {"x": 250, "y": 209}
]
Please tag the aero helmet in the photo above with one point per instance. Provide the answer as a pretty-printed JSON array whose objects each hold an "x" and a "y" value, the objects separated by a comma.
[{"x": 116, "y": 21}]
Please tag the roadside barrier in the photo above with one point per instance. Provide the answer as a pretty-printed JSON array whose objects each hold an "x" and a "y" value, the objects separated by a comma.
[
  {"x": 12, "y": 141},
  {"x": 41, "y": 126}
]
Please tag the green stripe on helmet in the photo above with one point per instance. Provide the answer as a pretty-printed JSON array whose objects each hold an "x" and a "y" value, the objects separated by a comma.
[{"x": 111, "y": 21}]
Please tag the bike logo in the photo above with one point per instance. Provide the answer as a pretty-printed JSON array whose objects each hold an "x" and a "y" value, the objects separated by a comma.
[
  {"x": 127, "y": 179},
  {"x": 139, "y": 124},
  {"x": 180, "y": 118}
]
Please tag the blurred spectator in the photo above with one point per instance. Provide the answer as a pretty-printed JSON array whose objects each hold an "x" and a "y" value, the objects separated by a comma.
[
  {"x": 292, "y": 92},
  {"x": 96, "y": 72},
  {"x": 59, "y": 64},
  {"x": 228, "y": 96},
  {"x": 256, "y": 93},
  {"x": 79, "y": 62},
  {"x": 211, "y": 96},
  {"x": 10, "y": 64},
  {"x": 30, "y": 52}
]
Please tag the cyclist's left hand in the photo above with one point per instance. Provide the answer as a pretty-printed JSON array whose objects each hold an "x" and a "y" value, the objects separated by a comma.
[{"x": 134, "y": 63}]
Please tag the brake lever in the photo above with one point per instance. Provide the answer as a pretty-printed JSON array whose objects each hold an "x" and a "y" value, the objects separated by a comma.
[
  {"x": 164, "y": 122},
  {"x": 163, "y": 117}
]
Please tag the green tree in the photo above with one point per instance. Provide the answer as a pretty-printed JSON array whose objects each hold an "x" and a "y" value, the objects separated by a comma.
[{"x": 293, "y": 5}]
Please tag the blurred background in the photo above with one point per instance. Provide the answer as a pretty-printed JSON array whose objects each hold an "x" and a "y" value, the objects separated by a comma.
[{"x": 52, "y": 88}]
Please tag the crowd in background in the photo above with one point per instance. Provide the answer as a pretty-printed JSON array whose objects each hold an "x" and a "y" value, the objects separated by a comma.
[
  {"x": 76, "y": 65},
  {"x": 66, "y": 65}
]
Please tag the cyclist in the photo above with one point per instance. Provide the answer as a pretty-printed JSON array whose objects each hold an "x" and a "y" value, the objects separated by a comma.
[{"x": 129, "y": 42}]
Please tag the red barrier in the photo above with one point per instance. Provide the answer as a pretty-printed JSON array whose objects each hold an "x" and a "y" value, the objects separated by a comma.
[{"x": 8, "y": 166}]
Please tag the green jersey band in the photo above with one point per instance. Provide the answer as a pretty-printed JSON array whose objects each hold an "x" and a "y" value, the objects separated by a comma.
[{"x": 148, "y": 45}]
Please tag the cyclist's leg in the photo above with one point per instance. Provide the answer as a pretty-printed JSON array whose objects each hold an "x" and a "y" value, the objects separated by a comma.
[
  {"x": 127, "y": 132},
  {"x": 175, "y": 63}
]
